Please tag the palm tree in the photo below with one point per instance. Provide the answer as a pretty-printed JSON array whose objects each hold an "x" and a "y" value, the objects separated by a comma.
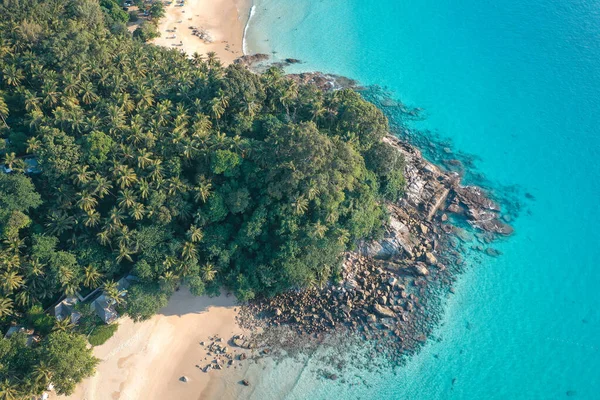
[
  {"x": 300, "y": 205},
  {"x": 35, "y": 268},
  {"x": 125, "y": 175},
  {"x": 203, "y": 190},
  {"x": 101, "y": 186},
  {"x": 144, "y": 188},
  {"x": 125, "y": 101},
  {"x": 189, "y": 251},
  {"x": 216, "y": 108},
  {"x": 197, "y": 58},
  {"x": 81, "y": 176},
  {"x": 10, "y": 281},
  {"x": 10, "y": 391},
  {"x": 290, "y": 94},
  {"x": 137, "y": 211},
  {"x": 162, "y": 111},
  {"x": 6, "y": 306},
  {"x": 92, "y": 277},
  {"x": 169, "y": 279},
  {"x": 104, "y": 237},
  {"x": 189, "y": 150},
  {"x": 115, "y": 117},
  {"x": 59, "y": 222},
  {"x": 126, "y": 198},
  {"x": 12, "y": 76},
  {"x": 195, "y": 234},
  {"x": 169, "y": 261},
  {"x": 3, "y": 110},
  {"x": 50, "y": 94},
  {"x": 115, "y": 218},
  {"x": 144, "y": 158},
  {"x": 313, "y": 191},
  {"x": 91, "y": 219},
  {"x": 88, "y": 93},
  {"x": 156, "y": 171},
  {"x": 111, "y": 290},
  {"x": 343, "y": 236},
  {"x": 9, "y": 261},
  {"x": 68, "y": 280},
  {"x": 319, "y": 230},
  {"x": 9, "y": 159},
  {"x": 42, "y": 374},
  {"x": 24, "y": 298},
  {"x": 71, "y": 84},
  {"x": 176, "y": 185},
  {"x": 14, "y": 244},
  {"x": 124, "y": 253},
  {"x": 208, "y": 272},
  {"x": 63, "y": 325},
  {"x": 33, "y": 144},
  {"x": 87, "y": 202}
]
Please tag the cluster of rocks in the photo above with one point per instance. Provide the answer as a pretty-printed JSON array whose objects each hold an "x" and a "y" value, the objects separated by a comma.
[
  {"x": 220, "y": 354},
  {"x": 324, "y": 81},
  {"x": 250, "y": 60}
]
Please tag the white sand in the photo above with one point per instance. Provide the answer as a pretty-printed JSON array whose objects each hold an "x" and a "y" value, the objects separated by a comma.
[
  {"x": 223, "y": 19},
  {"x": 145, "y": 360}
]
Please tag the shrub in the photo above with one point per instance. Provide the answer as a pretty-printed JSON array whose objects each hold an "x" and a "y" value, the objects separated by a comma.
[
  {"x": 133, "y": 16},
  {"x": 102, "y": 333}
]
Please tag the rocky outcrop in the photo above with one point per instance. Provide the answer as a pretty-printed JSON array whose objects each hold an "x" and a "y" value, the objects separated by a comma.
[
  {"x": 251, "y": 60},
  {"x": 429, "y": 190},
  {"x": 324, "y": 81}
]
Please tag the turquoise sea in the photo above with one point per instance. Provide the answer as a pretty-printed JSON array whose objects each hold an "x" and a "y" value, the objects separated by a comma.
[{"x": 516, "y": 84}]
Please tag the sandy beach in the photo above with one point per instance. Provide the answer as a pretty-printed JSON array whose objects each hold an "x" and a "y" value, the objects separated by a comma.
[
  {"x": 223, "y": 20},
  {"x": 146, "y": 360}
]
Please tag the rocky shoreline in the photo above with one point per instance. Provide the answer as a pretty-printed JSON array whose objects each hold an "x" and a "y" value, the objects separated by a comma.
[
  {"x": 387, "y": 284},
  {"x": 392, "y": 290}
]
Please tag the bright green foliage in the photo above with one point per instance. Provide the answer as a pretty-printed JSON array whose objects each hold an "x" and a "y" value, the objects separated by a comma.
[
  {"x": 143, "y": 301},
  {"x": 98, "y": 146},
  {"x": 62, "y": 359},
  {"x": 102, "y": 333},
  {"x": 113, "y": 12},
  {"x": 146, "y": 31},
  {"x": 69, "y": 359},
  {"x": 157, "y": 10},
  {"x": 175, "y": 169}
]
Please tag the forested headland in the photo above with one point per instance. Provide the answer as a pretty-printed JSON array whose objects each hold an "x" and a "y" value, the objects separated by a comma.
[{"x": 173, "y": 169}]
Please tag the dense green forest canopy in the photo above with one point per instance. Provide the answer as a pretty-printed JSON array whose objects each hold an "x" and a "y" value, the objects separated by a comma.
[{"x": 174, "y": 169}]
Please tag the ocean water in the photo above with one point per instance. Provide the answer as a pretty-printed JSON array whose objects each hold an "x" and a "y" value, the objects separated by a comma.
[{"x": 516, "y": 84}]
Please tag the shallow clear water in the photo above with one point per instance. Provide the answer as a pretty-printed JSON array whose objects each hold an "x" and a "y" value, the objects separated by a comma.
[{"x": 517, "y": 85}]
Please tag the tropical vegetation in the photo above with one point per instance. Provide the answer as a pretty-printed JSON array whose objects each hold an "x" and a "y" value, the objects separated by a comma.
[{"x": 174, "y": 169}]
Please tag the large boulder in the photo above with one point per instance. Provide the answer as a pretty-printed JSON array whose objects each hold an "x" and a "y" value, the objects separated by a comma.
[
  {"x": 420, "y": 269},
  {"x": 430, "y": 258},
  {"x": 383, "y": 311}
]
